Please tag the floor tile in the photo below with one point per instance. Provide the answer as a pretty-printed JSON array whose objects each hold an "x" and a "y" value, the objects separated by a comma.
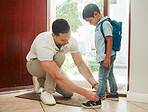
[
  {"x": 8, "y": 102},
  {"x": 140, "y": 104},
  {"x": 119, "y": 106},
  {"x": 64, "y": 108},
  {"x": 24, "y": 110}
]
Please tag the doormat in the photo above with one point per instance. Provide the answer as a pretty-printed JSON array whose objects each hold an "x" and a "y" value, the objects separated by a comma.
[{"x": 75, "y": 100}]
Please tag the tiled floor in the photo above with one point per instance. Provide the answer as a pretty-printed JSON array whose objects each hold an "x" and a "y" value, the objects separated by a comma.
[{"x": 9, "y": 103}]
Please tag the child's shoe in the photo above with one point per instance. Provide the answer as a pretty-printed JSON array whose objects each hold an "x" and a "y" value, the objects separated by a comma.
[
  {"x": 112, "y": 97},
  {"x": 91, "y": 104}
]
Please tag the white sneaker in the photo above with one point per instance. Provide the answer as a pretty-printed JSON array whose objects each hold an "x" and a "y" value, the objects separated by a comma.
[
  {"x": 47, "y": 98},
  {"x": 37, "y": 88}
]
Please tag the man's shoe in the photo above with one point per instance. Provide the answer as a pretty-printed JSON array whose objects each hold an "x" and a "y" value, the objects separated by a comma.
[
  {"x": 91, "y": 104},
  {"x": 47, "y": 98},
  {"x": 37, "y": 88},
  {"x": 112, "y": 97}
]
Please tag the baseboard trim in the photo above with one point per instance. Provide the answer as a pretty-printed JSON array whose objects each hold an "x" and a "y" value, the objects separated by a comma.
[
  {"x": 15, "y": 88},
  {"x": 138, "y": 97}
]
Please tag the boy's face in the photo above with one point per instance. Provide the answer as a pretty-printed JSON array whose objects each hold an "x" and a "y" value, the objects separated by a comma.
[{"x": 93, "y": 20}]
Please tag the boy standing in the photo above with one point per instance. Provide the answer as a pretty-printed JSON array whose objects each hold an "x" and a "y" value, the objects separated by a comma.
[{"x": 105, "y": 55}]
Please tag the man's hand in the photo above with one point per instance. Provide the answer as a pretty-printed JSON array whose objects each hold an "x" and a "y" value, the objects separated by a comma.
[
  {"x": 104, "y": 97},
  {"x": 96, "y": 87},
  {"x": 92, "y": 96}
]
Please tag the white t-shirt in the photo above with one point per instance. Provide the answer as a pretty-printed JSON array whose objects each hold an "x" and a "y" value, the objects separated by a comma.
[
  {"x": 44, "y": 48},
  {"x": 99, "y": 39}
]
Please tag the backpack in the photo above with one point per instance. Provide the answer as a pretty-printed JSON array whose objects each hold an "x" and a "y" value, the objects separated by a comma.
[{"x": 117, "y": 34}]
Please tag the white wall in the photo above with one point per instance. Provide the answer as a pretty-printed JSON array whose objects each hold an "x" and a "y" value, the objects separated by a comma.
[{"x": 138, "y": 86}]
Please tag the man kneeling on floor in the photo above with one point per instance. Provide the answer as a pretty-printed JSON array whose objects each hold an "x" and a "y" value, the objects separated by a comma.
[{"x": 44, "y": 61}]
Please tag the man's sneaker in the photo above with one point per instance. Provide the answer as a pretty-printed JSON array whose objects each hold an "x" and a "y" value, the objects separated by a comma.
[
  {"x": 37, "y": 88},
  {"x": 91, "y": 104},
  {"x": 112, "y": 97},
  {"x": 47, "y": 98}
]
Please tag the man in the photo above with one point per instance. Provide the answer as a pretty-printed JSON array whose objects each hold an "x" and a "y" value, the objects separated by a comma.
[{"x": 46, "y": 57}]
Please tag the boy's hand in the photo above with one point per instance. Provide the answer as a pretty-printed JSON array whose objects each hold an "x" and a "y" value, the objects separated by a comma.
[{"x": 106, "y": 63}]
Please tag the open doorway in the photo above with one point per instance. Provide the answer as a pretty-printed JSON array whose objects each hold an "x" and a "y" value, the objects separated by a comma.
[
  {"x": 119, "y": 10},
  {"x": 71, "y": 10}
]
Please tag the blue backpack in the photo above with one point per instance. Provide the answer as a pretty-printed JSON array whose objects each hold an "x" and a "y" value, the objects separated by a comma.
[{"x": 117, "y": 33}]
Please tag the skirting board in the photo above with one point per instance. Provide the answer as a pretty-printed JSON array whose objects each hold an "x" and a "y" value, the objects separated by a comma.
[{"x": 138, "y": 97}]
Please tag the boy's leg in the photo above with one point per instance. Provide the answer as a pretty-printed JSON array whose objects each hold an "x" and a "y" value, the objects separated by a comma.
[
  {"x": 101, "y": 88},
  {"x": 112, "y": 82},
  {"x": 113, "y": 95},
  {"x": 103, "y": 75}
]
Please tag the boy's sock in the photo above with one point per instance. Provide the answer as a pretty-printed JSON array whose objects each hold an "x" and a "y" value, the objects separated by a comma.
[{"x": 91, "y": 104}]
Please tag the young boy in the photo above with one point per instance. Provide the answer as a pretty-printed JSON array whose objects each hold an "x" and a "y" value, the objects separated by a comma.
[{"x": 105, "y": 55}]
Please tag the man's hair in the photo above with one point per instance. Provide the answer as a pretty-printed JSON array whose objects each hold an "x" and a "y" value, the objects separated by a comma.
[
  {"x": 89, "y": 10},
  {"x": 60, "y": 26}
]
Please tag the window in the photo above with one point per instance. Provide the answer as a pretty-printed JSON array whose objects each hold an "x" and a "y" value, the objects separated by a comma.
[{"x": 71, "y": 10}]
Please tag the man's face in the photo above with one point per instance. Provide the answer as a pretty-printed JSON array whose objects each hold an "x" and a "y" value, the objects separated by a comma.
[{"x": 62, "y": 39}]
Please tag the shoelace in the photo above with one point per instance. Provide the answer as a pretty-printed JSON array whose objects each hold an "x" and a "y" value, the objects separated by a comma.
[{"x": 91, "y": 103}]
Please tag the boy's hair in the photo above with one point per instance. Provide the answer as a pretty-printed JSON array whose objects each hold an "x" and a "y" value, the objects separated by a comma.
[
  {"x": 89, "y": 10},
  {"x": 60, "y": 26}
]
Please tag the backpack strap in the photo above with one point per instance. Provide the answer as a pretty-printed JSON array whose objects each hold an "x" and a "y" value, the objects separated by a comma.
[{"x": 101, "y": 29}]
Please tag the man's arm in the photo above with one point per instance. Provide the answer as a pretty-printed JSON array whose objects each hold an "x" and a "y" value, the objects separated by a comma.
[
  {"x": 106, "y": 63},
  {"x": 83, "y": 69},
  {"x": 51, "y": 68}
]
